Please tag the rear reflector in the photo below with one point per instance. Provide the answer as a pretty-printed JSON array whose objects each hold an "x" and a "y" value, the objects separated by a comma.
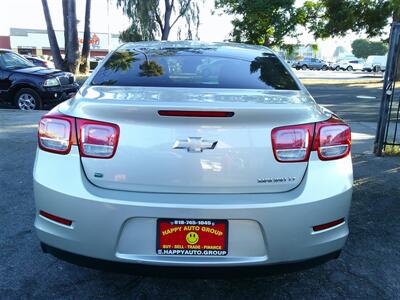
[
  {"x": 201, "y": 114},
  {"x": 292, "y": 143},
  {"x": 97, "y": 139},
  {"x": 328, "y": 225},
  {"x": 55, "y": 218}
]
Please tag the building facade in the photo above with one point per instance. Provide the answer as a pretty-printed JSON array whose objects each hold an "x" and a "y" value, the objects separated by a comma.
[{"x": 36, "y": 42}]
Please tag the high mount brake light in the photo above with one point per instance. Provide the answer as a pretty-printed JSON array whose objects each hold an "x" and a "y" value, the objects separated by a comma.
[
  {"x": 96, "y": 139},
  {"x": 331, "y": 139},
  {"x": 198, "y": 114}
]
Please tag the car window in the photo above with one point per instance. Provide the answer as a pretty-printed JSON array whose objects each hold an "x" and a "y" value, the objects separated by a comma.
[
  {"x": 10, "y": 60},
  {"x": 171, "y": 68}
]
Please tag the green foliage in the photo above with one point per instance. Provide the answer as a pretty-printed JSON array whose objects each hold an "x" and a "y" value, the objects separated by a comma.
[
  {"x": 151, "y": 68},
  {"x": 336, "y": 17},
  {"x": 131, "y": 34},
  {"x": 150, "y": 19},
  {"x": 263, "y": 22},
  {"x": 143, "y": 19},
  {"x": 121, "y": 60},
  {"x": 314, "y": 48},
  {"x": 392, "y": 150},
  {"x": 363, "y": 48},
  {"x": 290, "y": 50}
]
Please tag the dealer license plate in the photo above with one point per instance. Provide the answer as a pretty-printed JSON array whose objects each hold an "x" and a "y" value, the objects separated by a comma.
[{"x": 192, "y": 237}]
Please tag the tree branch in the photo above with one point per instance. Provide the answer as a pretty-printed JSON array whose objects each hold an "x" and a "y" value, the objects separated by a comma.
[
  {"x": 55, "y": 50},
  {"x": 159, "y": 21},
  {"x": 181, "y": 13}
]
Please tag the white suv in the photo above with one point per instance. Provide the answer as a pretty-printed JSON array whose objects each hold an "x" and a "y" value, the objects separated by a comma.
[
  {"x": 351, "y": 65},
  {"x": 375, "y": 63}
]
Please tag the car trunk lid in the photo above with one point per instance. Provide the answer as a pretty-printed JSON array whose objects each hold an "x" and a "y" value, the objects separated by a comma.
[{"x": 180, "y": 154}]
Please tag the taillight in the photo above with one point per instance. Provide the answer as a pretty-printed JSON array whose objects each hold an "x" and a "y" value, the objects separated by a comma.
[
  {"x": 97, "y": 139},
  {"x": 292, "y": 143},
  {"x": 56, "y": 133},
  {"x": 332, "y": 139}
]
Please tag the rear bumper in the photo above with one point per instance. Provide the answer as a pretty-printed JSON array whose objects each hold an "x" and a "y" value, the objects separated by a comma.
[
  {"x": 206, "y": 272},
  {"x": 264, "y": 229}
]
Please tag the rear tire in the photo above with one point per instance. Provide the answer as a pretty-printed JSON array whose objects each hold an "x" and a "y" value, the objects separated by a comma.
[
  {"x": 324, "y": 68},
  {"x": 27, "y": 99},
  {"x": 349, "y": 68},
  {"x": 376, "y": 69},
  {"x": 337, "y": 68},
  {"x": 304, "y": 67}
]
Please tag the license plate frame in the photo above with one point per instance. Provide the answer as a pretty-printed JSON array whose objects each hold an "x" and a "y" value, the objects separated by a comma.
[{"x": 212, "y": 237}]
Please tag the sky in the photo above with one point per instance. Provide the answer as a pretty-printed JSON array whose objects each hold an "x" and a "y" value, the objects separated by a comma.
[
  {"x": 29, "y": 14},
  {"x": 213, "y": 27}
]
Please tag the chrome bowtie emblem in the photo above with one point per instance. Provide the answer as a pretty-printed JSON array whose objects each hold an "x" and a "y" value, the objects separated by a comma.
[{"x": 195, "y": 144}]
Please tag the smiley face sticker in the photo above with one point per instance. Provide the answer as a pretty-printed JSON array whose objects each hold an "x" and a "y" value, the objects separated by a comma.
[{"x": 192, "y": 238}]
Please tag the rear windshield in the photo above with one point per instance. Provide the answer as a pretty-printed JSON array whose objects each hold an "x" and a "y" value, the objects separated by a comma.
[{"x": 168, "y": 69}]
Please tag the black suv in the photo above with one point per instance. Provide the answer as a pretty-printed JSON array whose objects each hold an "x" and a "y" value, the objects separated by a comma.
[{"x": 28, "y": 86}]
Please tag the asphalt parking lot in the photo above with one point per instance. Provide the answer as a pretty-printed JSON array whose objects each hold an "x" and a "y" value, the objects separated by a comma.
[
  {"x": 367, "y": 269},
  {"x": 329, "y": 74}
]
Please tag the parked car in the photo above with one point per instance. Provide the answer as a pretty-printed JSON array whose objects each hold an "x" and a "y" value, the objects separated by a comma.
[
  {"x": 94, "y": 61},
  {"x": 311, "y": 63},
  {"x": 351, "y": 65},
  {"x": 28, "y": 86},
  {"x": 335, "y": 66},
  {"x": 179, "y": 156},
  {"x": 375, "y": 63},
  {"x": 40, "y": 62}
]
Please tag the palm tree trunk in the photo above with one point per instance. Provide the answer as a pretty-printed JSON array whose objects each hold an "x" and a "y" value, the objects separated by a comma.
[
  {"x": 65, "y": 19},
  {"x": 55, "y": 49},
  {"x": 72, "y": 42},
  {"x": 84, "y": 66}
]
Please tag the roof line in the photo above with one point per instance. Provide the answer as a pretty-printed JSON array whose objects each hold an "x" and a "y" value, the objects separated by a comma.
[{"x": 14, "y": 31}]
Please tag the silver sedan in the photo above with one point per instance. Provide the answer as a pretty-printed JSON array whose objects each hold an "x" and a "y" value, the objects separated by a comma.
[{"x": 193, "y": 154}]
